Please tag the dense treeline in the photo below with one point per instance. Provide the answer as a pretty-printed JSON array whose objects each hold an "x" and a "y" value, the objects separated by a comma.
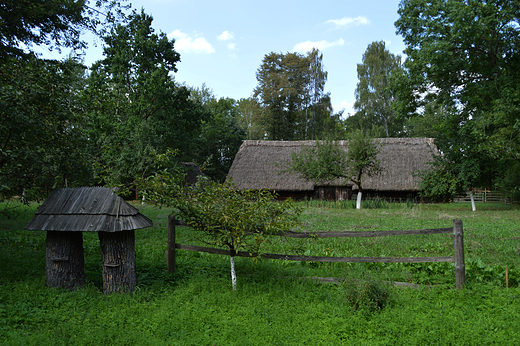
[{"x": 65, "y": 124}]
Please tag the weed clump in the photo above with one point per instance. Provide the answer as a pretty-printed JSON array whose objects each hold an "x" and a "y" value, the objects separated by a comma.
[{"x": 368, "y": 293}]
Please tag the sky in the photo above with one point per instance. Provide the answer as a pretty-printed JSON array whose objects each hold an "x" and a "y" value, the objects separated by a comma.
[{"x": 222, "y": 43}]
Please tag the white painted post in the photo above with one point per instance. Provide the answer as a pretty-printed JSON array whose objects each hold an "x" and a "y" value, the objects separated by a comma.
[
  {"x": 358, "y": 202},
  {"x": 472, "y": 200}
]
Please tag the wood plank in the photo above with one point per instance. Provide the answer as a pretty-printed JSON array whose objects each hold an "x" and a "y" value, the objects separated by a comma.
[
  {"x": 316, "y": 258},
  {"x": 346, "y": 234}
]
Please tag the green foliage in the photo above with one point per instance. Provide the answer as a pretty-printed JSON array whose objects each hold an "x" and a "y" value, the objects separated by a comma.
[
  {"x": 291, "y": 93},
  {"x": 374, "y": 96},
  {"x": 321, "y": 163},
  {"x": 367, "y": 293},
  {"x": 330, "y": 160},
  {"x": 43, "y": 143},
  {"x": 53, "y": 23},
  {"x": 135, "y": 108},
  {"x": 249, "y": 117},
  {"x": 220, "y": 138},
  {"x": 237, "y": 219},
  {"x": 509, "y": 183},
  {"x": 376, "y": 203},
  {"x": 440, "y": 184},
  {"x": 461, "y": 68},
  {"x": 222, "y": 215},
  {"x": 230, "y": 218},
  {"x": 362, "y": 157},
  {"x": 194, "y": 306},
  {"x": 372, "y": 203}
]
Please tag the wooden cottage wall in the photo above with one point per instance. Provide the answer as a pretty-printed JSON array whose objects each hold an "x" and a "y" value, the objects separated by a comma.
[{"x": 333, "y": 193}]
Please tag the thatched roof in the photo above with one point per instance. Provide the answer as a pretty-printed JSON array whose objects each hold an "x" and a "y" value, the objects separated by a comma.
[
  {"x": 258, "y": 165},
  {"x": 87, "y": 209}
]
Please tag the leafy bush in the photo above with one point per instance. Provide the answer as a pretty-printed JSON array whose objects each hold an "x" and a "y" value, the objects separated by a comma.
[{"x": 369, "y": 293}]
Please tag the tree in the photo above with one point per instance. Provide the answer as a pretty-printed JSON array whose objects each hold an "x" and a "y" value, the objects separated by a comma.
[
  {"x": 463, "y": 57},
  {"x": 282, "y": 81},
  {"x": 136, "y": 109},
  {"x": 374, "y": 96},
  {"x": 220, "y": 138},
  {"x": 329, "y": 160},
  {"x": 53, "y": 23},
  {"x": 291, "y": 93},
  {"x": 42, "y": 143},
  {"x": 222, "y": 215},
  {"x": 221, "y": 135},
  {"x": 318, "y": 111},
  {"x": 249, "y": 117}
]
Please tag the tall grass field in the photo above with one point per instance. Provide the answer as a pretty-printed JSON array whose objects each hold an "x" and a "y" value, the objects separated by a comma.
[{"x": 280, "y": 302}]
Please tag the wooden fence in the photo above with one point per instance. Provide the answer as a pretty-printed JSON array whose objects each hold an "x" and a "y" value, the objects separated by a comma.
[
  {"x": 456, "y": 230},
  {"x": 484, "y": 196}
]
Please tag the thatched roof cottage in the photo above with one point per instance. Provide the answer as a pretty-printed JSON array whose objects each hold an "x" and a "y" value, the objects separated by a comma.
[{"x": 261, "y": 164}]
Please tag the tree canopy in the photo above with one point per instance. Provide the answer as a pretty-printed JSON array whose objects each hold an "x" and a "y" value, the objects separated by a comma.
[
  {"x": 136, "y": 110},
  {"x": 53, "y": 23},
  {"x": 462, "y": 58},
  {"x": 330, "y": 160},
  {"x": 291, "y": 94},
  {"x": 374, "y": 95},
  {"x": 42, "y": 144}
]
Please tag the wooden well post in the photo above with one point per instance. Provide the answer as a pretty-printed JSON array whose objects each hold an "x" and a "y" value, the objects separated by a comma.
[
  {"x": 64, "y": 263},
  {"x": 118, "y": 261}
]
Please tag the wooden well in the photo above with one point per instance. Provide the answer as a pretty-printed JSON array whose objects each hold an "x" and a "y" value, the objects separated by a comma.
[{"x": 69, "y": 212}]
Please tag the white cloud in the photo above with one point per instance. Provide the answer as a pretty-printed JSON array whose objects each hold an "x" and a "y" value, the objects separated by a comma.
[
  {"x": 187, "y": 44},
  {"x": 225, "y": 36},
  {"x": 307, "y": 46},
  {"x": 348, "y": 21},
  {"x": 348, "y": 108},
  {"x": 231, "y": 46}
]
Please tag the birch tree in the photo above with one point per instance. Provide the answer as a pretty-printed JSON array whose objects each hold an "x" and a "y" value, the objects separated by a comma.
[{"x": 374, "y": 96}]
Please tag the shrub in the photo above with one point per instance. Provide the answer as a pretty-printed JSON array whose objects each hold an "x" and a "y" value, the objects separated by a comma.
[{"x": 368, "y": 294}]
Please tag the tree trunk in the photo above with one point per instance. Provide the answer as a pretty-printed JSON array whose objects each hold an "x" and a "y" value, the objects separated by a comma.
[
  {"x": 472, "y": 201},
  {"x": 64, "y": 262},
  {"x": 233, "y": 273},
  {"x": 118, "y": 257},
  {"x": 358, "y": 201}
]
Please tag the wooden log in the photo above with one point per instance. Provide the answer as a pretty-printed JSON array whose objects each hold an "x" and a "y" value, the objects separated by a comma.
[
  {"x": 347, "y": 234},
  {"x": 170, "y": 253},
  {"x": 458, "y": 244},
  {"x": 64, "y": 262},
  {"x": 118, "y": 258},
  {"x": 315, "y": 258}
]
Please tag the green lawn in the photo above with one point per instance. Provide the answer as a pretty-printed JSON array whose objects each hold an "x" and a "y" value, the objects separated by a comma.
[{"x": 275, "y": 304}]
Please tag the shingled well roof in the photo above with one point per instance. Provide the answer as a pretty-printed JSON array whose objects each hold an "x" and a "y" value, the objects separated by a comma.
[{"x": 87, "y": 209}]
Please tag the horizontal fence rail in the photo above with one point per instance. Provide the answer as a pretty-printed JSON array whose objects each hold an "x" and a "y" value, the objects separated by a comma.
[
  {"x": 314, "y": 258},
  {"x": 456, "y": 230},
  {"x": 365, "y": 234}
]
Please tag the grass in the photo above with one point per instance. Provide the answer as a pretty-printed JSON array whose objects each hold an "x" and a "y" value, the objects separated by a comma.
[{"x": 273, "y": 306}]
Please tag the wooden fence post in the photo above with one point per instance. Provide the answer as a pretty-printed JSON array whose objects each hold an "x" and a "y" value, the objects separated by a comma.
[
  {"x": 458, "y": 244},
  {"x": 170, "y": 253}
]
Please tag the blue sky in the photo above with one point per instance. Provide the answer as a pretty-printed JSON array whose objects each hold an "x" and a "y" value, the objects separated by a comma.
[{"x": 222, "y": 43}]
